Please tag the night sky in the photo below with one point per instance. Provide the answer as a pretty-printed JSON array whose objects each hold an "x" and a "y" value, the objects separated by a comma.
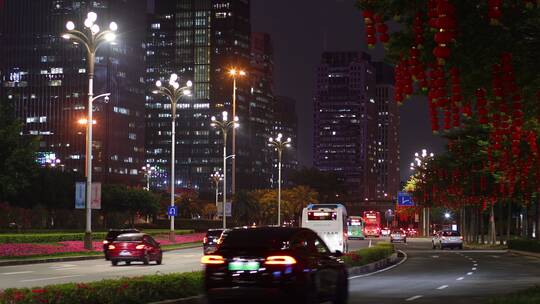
[{"x": 301, "y": 30}]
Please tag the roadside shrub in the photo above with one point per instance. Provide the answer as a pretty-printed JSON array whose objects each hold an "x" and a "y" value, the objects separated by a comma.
[
  {"x": 528, "y": 296},
  {"x": 368, "y": 255},
  {"x": 524, "y": 244},
  {"x": 12, "y": 238},
  {"x": 142, "y": 289}
]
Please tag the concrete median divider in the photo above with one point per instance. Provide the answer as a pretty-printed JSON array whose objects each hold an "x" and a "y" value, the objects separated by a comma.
[{"x": 371, "y": 267}]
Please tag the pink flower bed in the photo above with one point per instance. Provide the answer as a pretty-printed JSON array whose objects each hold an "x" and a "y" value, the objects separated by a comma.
[{"x": 26, "y": 249}]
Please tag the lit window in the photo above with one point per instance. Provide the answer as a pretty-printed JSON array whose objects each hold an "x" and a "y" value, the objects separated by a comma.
[{"x": 156, "y": 26}]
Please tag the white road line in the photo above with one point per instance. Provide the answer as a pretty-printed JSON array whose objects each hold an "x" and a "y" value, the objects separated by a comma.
[
  {"x": 474, "y": 268},
  {"x": 434, "y": 256},
  {"x": 460, "y": 278},
  {"x": 475, "y": 264},
  {"x": 67, "y": 268},
  {"x": 442, "y": 287},
  {"x": 51, "y": 278},
  {"x": 469, "y": 273},
  {"x": 474, "y": 261},
  {"x": 413, "y": 298},
  {"x": 16, "y": 272}
]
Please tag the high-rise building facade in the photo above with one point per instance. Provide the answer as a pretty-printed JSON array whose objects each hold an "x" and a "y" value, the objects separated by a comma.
[
  {"x": 345, "y": 122},
  {"x": 262, "y": 116},
  {"x": 200, "y": 40},
  {"x": 387, "y": 159},
  {"x": 44, "y": 78}
]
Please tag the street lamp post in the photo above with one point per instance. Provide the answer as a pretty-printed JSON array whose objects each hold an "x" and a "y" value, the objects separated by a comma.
[
  {"x": 92, "y": 38},
  {"x": 279, "y": 144},
  {"x": 174, "y": 93},
  {"x": 224, "y": 125},
  {"x": 148, "y": 170},
  {"x": 234, "y": 73},
  {"x": 420, "y": 160},
  {"x": 216, "y": 178}
]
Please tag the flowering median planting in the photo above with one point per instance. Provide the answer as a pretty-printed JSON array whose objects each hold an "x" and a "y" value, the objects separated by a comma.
[
  {"x": 126, "y": 290},
  {"x": 30, "y": 249},
  {"x": 368, "y": 255}
]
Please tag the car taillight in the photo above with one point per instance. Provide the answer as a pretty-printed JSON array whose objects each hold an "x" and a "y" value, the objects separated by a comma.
[
  {"x": 444, "y": 238},
  {"x": 111, "y": 247},
  {"x": 461, "y": 238},
  {"x": 280, "y": 260},
  {"x": 140, "y": 246},
  {"x": 212, "y": 259},
  {"x": 205, "y": 240},
  {"x": 105, "y": 242}
]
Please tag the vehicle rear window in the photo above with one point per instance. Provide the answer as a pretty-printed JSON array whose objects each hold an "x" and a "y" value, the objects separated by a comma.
[
  {"x": 252, "y": 240},
  {"x": 129, "y": 237},
  {"x": 113, "y": 234},
  {"x": 214, "y": 233},
  {"x": 450, "y": 233}
]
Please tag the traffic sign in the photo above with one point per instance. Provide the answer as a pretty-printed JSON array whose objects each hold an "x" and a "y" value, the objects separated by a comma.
[
  {"x": 172, "y": 211},
  {"x": 405, "y": 199}
]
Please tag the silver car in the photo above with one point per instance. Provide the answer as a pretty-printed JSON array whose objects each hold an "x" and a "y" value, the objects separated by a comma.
[
  {"x": 447, "y": 239},
  {"x": 398, "y": 236}
]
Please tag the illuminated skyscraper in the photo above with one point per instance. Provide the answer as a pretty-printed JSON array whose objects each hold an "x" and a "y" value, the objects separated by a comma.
[
  {"x": 43, "y": 77},
  {"x": 199, "y": 40}
]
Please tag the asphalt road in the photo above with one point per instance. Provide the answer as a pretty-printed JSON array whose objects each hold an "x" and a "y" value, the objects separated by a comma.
[
  {"x": 92, "y": 270},
  {"x": 449, "y": 276},
  {"x": 183, "y": 260}
]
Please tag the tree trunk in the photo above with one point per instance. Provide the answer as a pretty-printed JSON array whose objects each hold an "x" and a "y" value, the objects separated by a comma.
[
  {"x": 509, "y": 221},
  {"x": 481, "y": 225},
  {"x": 537, "y": 219},
  {"x": 492, "y": 227},
  {"x": 501, "y": 223}
]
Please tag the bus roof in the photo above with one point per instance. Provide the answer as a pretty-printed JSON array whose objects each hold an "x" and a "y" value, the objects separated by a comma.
[{"x": 329, "y": 206}]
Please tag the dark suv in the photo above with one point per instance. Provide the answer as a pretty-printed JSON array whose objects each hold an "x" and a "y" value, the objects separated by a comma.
[
  {"x": 291, "y": 265},
  {"x": 111, "y": 237},
  {"x": 210, "y": 240}
]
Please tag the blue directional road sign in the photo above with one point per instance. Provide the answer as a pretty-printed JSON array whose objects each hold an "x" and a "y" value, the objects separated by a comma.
[
  {"x": 405, "y": 199},
  {"x": 172, "y": 211}
]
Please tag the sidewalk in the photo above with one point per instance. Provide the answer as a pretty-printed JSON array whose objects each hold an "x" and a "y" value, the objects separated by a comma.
[{"x": 14, "y": 262}]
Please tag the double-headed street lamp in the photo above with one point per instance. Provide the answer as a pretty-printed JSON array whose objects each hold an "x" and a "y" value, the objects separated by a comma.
[
  {"x": 279, "y": 144},
  {"x": 174, "y": 92},
  {"x": 234, "y": 73},
  {"x": 420, "y": 161},
  {"x": 216, "y": 178},
  {"x": 92, "y": 37},
  {"x": 224, "y": 125},
  {"x": 148, "y": 170}
]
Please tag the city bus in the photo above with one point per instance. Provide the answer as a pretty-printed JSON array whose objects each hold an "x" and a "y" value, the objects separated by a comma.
[
  {"x": 355, "y": 227},
  {"x": 372, "y": 223},
  {"x": 329, "y": 221}
]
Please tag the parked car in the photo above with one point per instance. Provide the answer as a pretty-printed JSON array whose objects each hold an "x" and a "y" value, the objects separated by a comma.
[
  {"x": 397, "y": 235},
  {"x": 111, "y": 236},
  {"x": 131, "y": 247},
  {"x": 210, "y": 240},
  {"x": 447, "y": 239},
  {"x": 274, "y": 263}
]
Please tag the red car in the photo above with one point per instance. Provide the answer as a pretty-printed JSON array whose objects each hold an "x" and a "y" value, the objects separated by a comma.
[{"x": 131, "y": 247}]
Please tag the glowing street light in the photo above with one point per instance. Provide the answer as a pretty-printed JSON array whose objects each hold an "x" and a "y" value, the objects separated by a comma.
[
  {"x": 279, "y": 144},
  {"x": 174, "y": 93},
  {"x": 234, "y": 73},
  {"x": 224, "y": 125}
]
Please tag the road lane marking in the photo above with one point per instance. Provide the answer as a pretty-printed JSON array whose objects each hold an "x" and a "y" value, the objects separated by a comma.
[
  {"x": 434, "y": 256},
  {"x": 474, "y": 268},
  {"x": 442, "y": 287},
  {"x": 474, "y": 261},
  {"x": 469, "y": 273},
  {"x": 460, "y": 278},
  {"x": 16, "y": 272},
  {"x": 67, "y": 268},
  {"x": 51, "y": 278},
  {"x": 475, "y": 264},
  {"x": 413, "y": 298}
]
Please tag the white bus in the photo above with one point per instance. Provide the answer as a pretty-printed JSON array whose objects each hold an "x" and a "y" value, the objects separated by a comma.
[{"x": 329, "y": 221}]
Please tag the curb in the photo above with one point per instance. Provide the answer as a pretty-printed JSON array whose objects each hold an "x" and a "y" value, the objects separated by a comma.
[
  {"x": 525, "y": 253},
  {"x": 378, "y": 267},
  {"x": 73, "y": 258},
  {"x": 190, "y": 300}
]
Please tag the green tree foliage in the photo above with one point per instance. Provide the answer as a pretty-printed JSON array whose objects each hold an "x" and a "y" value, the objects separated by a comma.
[
  {"x": 18, "y": 155},
  {"x": 245, "y": 208},
  {"x": 128, "y": 202}
]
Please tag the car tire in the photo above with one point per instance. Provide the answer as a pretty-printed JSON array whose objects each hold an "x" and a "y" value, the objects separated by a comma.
[
  {"x": 146, "y": 259},
  {"x": 114, "y": 262},
  {"x": 433, "y": 245},
  {"x": 159, "y": 259},
  {"x": 308, "y": 294},
  {"x": 461, "y": 247},
  {"x": 342, "y": 290},
  {"x": 128, "y": 262}
]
